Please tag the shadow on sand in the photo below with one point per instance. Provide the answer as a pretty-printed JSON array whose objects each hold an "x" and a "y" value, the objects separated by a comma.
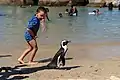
[
  {"x": 21, "y": 71},
  {"x": 5, "y": 56},
  {"x": 9, "y": 71},
  {"x": 49, "y": 59},
  {"x": 35, "y": 69}
]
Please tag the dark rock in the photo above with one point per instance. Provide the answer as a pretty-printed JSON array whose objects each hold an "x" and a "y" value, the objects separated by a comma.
[{"x": 45, "y": 2}]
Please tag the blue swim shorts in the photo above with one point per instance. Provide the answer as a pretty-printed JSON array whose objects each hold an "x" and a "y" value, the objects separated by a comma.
[{"x": 27, "y": 36}]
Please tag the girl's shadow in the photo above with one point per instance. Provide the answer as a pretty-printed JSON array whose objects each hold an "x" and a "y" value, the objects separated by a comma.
[{"x": 35, "y": 69}]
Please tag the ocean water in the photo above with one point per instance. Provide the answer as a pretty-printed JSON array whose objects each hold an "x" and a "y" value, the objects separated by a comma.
[{"x": 84, "y": 28}]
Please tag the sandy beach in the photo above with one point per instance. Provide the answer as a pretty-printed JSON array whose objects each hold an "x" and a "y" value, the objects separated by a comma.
[{"x": 97, "y": 61}]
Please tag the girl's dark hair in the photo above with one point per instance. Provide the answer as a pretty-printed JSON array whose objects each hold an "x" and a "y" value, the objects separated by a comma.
[{"x": 41, "y": 9}]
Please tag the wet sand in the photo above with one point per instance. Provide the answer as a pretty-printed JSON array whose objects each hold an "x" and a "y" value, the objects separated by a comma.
[{"x": 97, "y": 61}]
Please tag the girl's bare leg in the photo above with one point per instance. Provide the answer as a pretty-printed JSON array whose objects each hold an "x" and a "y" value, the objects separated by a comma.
[
  {"x": 20, "y": 60},
  {"x": 33, "y": 43}
]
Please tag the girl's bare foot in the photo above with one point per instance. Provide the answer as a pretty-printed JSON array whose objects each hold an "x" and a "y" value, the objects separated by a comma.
[{"x": 21, "y": 61}]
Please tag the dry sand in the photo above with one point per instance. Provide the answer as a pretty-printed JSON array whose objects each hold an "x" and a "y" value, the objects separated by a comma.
[{"x": 98, "y": 61}]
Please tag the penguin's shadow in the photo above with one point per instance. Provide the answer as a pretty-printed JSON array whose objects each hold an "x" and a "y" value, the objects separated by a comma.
[
  {"x": 49, "y": 59},
  {"x": 68, "y": 68},
  {"x": 35, "y": 69}
]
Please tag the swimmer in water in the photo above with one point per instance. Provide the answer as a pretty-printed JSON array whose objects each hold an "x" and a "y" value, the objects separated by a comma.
[
  {"x": 73, "y": 11},
  {"x": 66, "y": 11},
  {"x": 98, "y": 12},
  {"x": 60, "y": 15}
]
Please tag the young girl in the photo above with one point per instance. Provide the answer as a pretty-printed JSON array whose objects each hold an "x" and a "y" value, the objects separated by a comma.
[{"x": 31, "y": 35}]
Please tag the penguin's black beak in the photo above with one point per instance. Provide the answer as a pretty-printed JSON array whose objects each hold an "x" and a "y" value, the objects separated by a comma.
[
  {"x": 69, "y": 41},
  {"x": 65, "y": 42}
]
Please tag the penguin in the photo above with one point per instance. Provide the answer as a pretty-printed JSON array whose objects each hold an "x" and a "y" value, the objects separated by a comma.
[{"x": 59, "y": 58}]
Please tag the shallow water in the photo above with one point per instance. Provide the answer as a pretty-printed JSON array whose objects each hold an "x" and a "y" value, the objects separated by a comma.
[{"x": 82, "y": 29}]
